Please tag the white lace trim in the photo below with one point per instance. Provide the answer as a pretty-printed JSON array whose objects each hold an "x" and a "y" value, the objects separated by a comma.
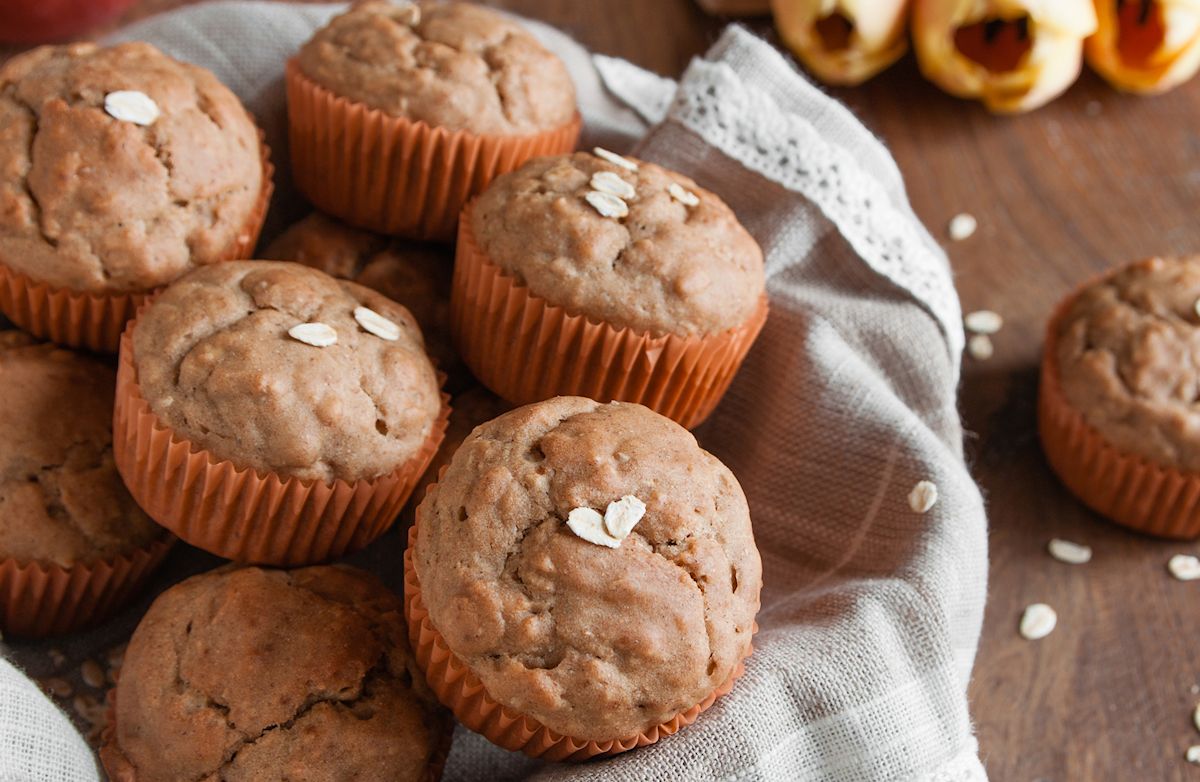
[{"x": 746, "y": 124}]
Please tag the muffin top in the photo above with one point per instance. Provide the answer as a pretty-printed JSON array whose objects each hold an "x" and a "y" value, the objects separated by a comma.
[
  {"x": 1128, "y": 355},
  {"x": 594, "y": 642},
  {"x": 414, "y": 274},
  {"x": 250, "y": 674},
  {"x": 451, "y": 65},
  {"x": 93, "y": 202},
  {"x": 217, "y": 361},
  {"x": 679, "y": 262},
  {"x": 61, "y": 499}
]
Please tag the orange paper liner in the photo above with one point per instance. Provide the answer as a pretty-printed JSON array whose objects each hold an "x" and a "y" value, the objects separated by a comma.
[
  {"x": 119, "y": 769},
  {"x": 1124, "y": 487},
  {"x": 238, "y": 513},
  {"x": 525, "y": 349},
  {"x": 93, "y": 320},
  {"x": 463, "y": 692},
  {"x": 394, "y": 175},
  {"x": 39, "y": 599}
]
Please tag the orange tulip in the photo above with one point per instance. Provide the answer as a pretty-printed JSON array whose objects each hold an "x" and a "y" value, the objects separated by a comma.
[
  {"x": 843, "y": 41},
  {"x": 1146, "y": 46},
  {"x": 1014, "y": 55}
]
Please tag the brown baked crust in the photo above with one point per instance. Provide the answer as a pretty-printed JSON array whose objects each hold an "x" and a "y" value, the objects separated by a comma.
[
  {"x": 215, "y": 362},
  {"x": 461, "y": 67},
  {"x": 61, "y": 500},
  {"x": 1128, "y": 354},
  {"x": 665, "y": 268},
  {"x": 250, "y": 674},
  {"x": 92, "y": 203},
  {"x": 414, "y": 274},
  {"x": 595, "y": 643}
]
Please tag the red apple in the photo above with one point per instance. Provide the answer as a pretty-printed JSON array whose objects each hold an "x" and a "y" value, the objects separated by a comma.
[{"x": 39, "y": 21}]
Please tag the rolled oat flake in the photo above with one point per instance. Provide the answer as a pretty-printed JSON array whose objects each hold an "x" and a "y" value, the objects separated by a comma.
[
  {"x": 614, "y": 158},
  {"x": 923, "y": 496},
  {"x": 1184, "y": 567},
  {"x": 131, "y": 106},
  {"x": 1068, "y": 552},
  {"x": 1038, "y": 621},
  {"x": 611, "y": 183},
  {"x": 607, "y": 204},
  {"x": 374, "y": 323},
  {"x": 983, "y": 322},
  {"x": 588, "y": 524},
  {"x": 319, "y": 335},
  {"x": 621, "y": 516},
  {"x": 683, "y": 195}
]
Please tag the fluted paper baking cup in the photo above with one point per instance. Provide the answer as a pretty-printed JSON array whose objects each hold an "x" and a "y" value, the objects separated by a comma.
[
  {"x": 40, "y": 598},
  {"x": 93, "y": 320},
  {"x": 394, "y": 175},
  {"x": 463, "y": 692},
  {"x": 526, "y": 349},
  {"x": 1126, "y": 488},
  {"x": 242, "y": 514}
]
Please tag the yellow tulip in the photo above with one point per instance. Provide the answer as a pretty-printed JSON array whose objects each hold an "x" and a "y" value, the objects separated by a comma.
[
  {"x": 843, "y": 41},
  {"x": 1014, "y": 55},
  {"x": 1146, "y": 46}
]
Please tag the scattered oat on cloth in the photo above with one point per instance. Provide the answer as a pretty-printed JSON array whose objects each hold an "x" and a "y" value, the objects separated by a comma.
[{"x": 871, "y": 611}]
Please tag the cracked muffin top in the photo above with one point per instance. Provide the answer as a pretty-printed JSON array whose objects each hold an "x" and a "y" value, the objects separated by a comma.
[
  {"x": 594, "y": 642},
  {"x": 61, "y": 499},
  {"x": 1128, "y": 351},
  {"x": 679, "y": 262},
  {"x": 249, "y": 674},
  {"x": 223, "y": 356},
  {"x": 414, "y": 274},
  {"x": 450, "y": 65},
  {"x": 90, "y": 202}
]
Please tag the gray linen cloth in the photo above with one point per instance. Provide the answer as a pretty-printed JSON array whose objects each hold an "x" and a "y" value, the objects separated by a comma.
[{"x": 871, "y": 611}]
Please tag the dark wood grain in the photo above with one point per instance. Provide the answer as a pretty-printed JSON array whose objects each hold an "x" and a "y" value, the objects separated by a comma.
[{"x": 1092, "y": 180}]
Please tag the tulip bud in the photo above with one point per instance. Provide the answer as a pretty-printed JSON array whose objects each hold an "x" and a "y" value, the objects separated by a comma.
[
  {"x": 1146, "y": 46},
  {"x": 1014, "y": 55},
  {"x": 843, "y": 41}
]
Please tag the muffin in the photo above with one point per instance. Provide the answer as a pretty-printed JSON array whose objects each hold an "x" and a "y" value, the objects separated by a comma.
[
  {"x": 399, "y": 112},
  {"x": 1117, "y": 401},
  {"x": 249, "y": 674},
  {"x": 610, "y": 278},
  {"x": 121, "y": 169},
  {"x": 414, "y": 274},
  {"x": 73, "y": 544},
  {"x": 563, "y": 633},
  {"x": 269, "y": 413}
]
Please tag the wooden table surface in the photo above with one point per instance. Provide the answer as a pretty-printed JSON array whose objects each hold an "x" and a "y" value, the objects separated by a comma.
[{"x": 1090, "y": 181}]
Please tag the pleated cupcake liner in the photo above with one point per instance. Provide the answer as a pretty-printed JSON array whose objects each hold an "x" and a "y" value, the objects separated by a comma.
[
  {"x": 119, "y": 769},
  {"x": 1124, "y": 487},
  {"x": 243, "y": 514},
  {"x": 94, "y": 320},
  {"x": 462, "y": 691},
  {"x": 38, "y": 599},
  {"x": 394, "y": 175},
  {"x": 525, "y": 349}
]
